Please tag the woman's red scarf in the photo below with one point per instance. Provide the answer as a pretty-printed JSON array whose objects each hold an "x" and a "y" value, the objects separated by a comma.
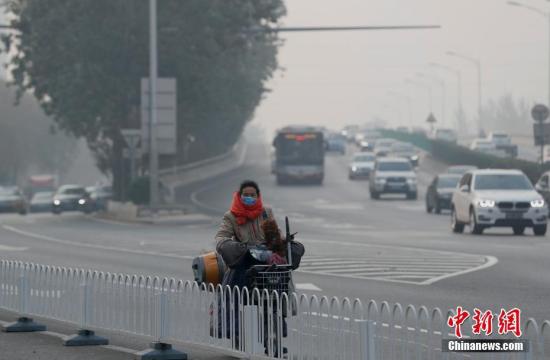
[{"x": 243, "y": 212}]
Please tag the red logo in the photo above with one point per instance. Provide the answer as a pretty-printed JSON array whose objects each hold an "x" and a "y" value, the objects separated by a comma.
[
  {"x": 508, "y": 321},
  {"x": 457, "y": 320},
  {"x": 482, "y": 322}
]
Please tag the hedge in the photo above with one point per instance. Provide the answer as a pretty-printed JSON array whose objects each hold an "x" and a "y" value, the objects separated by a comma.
[{"x": 454, "y": 154}]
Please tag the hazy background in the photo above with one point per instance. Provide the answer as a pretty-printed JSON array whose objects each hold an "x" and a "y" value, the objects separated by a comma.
[{"x": 336, "y": 78}]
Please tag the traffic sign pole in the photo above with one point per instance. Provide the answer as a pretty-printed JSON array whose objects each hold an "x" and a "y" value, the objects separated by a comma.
[{"x": 540, "y": 114}]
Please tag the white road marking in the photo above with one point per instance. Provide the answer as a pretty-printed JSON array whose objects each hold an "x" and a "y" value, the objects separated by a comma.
[
  {"x": 91, "y": 246},
  {"x": 112, "y": 222},
  {"x": 307, "y": 287},
  {"x": 12, "y": 248},
  {"x": 410, "y": 268},
  {"x": 342, "y": 206}
]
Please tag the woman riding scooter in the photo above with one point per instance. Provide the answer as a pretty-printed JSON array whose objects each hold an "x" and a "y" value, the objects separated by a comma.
[{"x": 241, "y": 240}]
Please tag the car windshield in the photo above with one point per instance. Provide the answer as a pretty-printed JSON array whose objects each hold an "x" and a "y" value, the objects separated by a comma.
[
  {"x": 502, "y": 182},
  {"x": 363, "y": 158},
  {"x": 73, "y": 191},
  {"x": 460, "y": 169},
  {"x": 394, "y": 166},
  {"x": 9, "y": 192},
  {"x": 42, "y": 196},
  {"x": 447, "y": 182},
  {"x": 403, "y": 148}
]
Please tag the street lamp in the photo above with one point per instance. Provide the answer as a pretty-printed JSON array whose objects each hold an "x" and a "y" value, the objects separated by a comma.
[
  {"x": 425, "y": 86},
  {"x": 459, "y": 124},
  {"x": 476, "y": 62},
  {"x": 443, "y": 91},
  {"x": 407, "y": 99},
  {"x": 546, "y": 14}
]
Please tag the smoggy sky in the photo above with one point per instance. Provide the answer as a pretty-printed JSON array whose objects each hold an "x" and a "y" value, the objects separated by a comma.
[
  {"x": 333, "y": 79},
  {"x": 336, "y": 78}
]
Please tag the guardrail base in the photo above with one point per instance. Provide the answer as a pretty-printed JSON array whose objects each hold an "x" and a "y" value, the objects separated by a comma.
[
  {"x": 24, "y": 324},
  {"x": 161, "y": 351},
  {"x": 85, "y": 338}
]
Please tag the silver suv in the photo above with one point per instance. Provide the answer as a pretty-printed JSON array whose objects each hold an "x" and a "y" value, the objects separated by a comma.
[
  {"x": 393, "y": 176},
  {"x": 497, "y": 198}
]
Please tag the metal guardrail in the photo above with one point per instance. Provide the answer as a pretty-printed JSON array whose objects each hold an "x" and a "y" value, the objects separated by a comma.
[
  {"x": 174, "y": 170},
  {"x": 237, "y": 322}
]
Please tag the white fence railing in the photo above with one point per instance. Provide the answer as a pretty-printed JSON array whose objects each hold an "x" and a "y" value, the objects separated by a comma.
[{"x": 238, "y": 322}]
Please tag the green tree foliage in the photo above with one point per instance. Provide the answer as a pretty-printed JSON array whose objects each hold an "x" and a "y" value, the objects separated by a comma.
[
  {"x": 27, "y": 141},
  {"x": 83, "y": 61}
]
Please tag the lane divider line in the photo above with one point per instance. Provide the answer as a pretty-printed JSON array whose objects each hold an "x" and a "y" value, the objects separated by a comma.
[{"x": 91, "y": 246}]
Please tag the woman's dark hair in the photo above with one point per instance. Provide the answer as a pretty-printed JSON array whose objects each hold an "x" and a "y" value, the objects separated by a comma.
[{"x": 249, "y": 183}]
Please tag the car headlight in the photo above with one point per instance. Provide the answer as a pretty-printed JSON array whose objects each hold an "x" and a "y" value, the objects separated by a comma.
[
  {"x": 411, "y": 180},
  {"x": 56, "y": 202},
  {"x": 354, "y": 168},
  {"x": 380, "y": 180},
  {"x": 486, "y": 203},
  {"x": 414, "y": 157},
  {"x": 537, "y": 203},
  {"x": 82, "y": 201}
]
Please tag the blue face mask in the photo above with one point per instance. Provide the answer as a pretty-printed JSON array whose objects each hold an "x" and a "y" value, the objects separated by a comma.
[{"x": 248, "y": 200}]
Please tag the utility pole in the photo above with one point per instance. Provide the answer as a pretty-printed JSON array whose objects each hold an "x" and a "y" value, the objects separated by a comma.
[
  {"x": 477, "y": 63},
  {"x": 153, "y": 73}
]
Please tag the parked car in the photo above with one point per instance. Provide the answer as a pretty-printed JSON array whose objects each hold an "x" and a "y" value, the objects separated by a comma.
[
  {"x": 498, "y": 198},
  {"x": 100, "y": 196},
  {"x": 405, "y": 150},
  {"x": 336, "y": 143},
  {"x": 71, "y": 198},
  {"x": 448, "y": 135},
  {"x": 12, "y": 200},
  {"x": 42, "y": 202},
  {"x": 361, "y": 165},
  {"x": 393, "y": 176},
  {"x": 440, "y": 191},
  {"x": 460, "y": 169}
]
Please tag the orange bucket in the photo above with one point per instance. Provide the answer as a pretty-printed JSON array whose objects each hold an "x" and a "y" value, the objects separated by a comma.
[{"x": 209, "y": 268}]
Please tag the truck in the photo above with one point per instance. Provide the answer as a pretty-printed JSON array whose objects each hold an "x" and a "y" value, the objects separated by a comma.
[
  {"x": 299, "y": 155},
  {"x": 41, "y": 183}
]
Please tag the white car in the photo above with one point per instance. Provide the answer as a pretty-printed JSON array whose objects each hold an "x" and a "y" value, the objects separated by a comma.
[
  {"x": 487, "y": 147},
  {"x": 448, "y": 135},
  {"x": 497, "y": 198},
  {"x": 393, "y": 176},
  {"x": 499, "y": 139},
  {"x": 361, "y": 165}
]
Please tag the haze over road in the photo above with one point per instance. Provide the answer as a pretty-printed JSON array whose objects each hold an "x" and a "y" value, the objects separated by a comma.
[{"x": 389, "y": 249}]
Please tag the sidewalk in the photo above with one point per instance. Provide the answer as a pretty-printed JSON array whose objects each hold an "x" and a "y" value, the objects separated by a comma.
[
  {"x": 37, "y": 346},
  {"x": 48, "y": 345}
]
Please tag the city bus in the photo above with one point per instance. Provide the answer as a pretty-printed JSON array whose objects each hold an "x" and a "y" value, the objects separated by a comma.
[{"x": 299, "y": 155}]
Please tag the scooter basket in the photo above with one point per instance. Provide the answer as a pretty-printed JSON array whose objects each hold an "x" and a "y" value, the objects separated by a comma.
[{"x": 271, "y": 278}]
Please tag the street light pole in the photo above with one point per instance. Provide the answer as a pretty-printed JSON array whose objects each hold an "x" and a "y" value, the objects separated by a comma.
[
  {"x": 546, "y": 15},
  {"x": 409, "y": 104},
  {"x": 459, "y": 88},
  {"x": 477, "y": 63},
  {"x": 425, "y": 86},
  {"x": 443, "y": 93},
  {"x": 153, "y": 73}
]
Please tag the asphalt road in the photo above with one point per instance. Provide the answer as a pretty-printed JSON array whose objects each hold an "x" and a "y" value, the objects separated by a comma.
[{"x": 389, "y": 249}]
